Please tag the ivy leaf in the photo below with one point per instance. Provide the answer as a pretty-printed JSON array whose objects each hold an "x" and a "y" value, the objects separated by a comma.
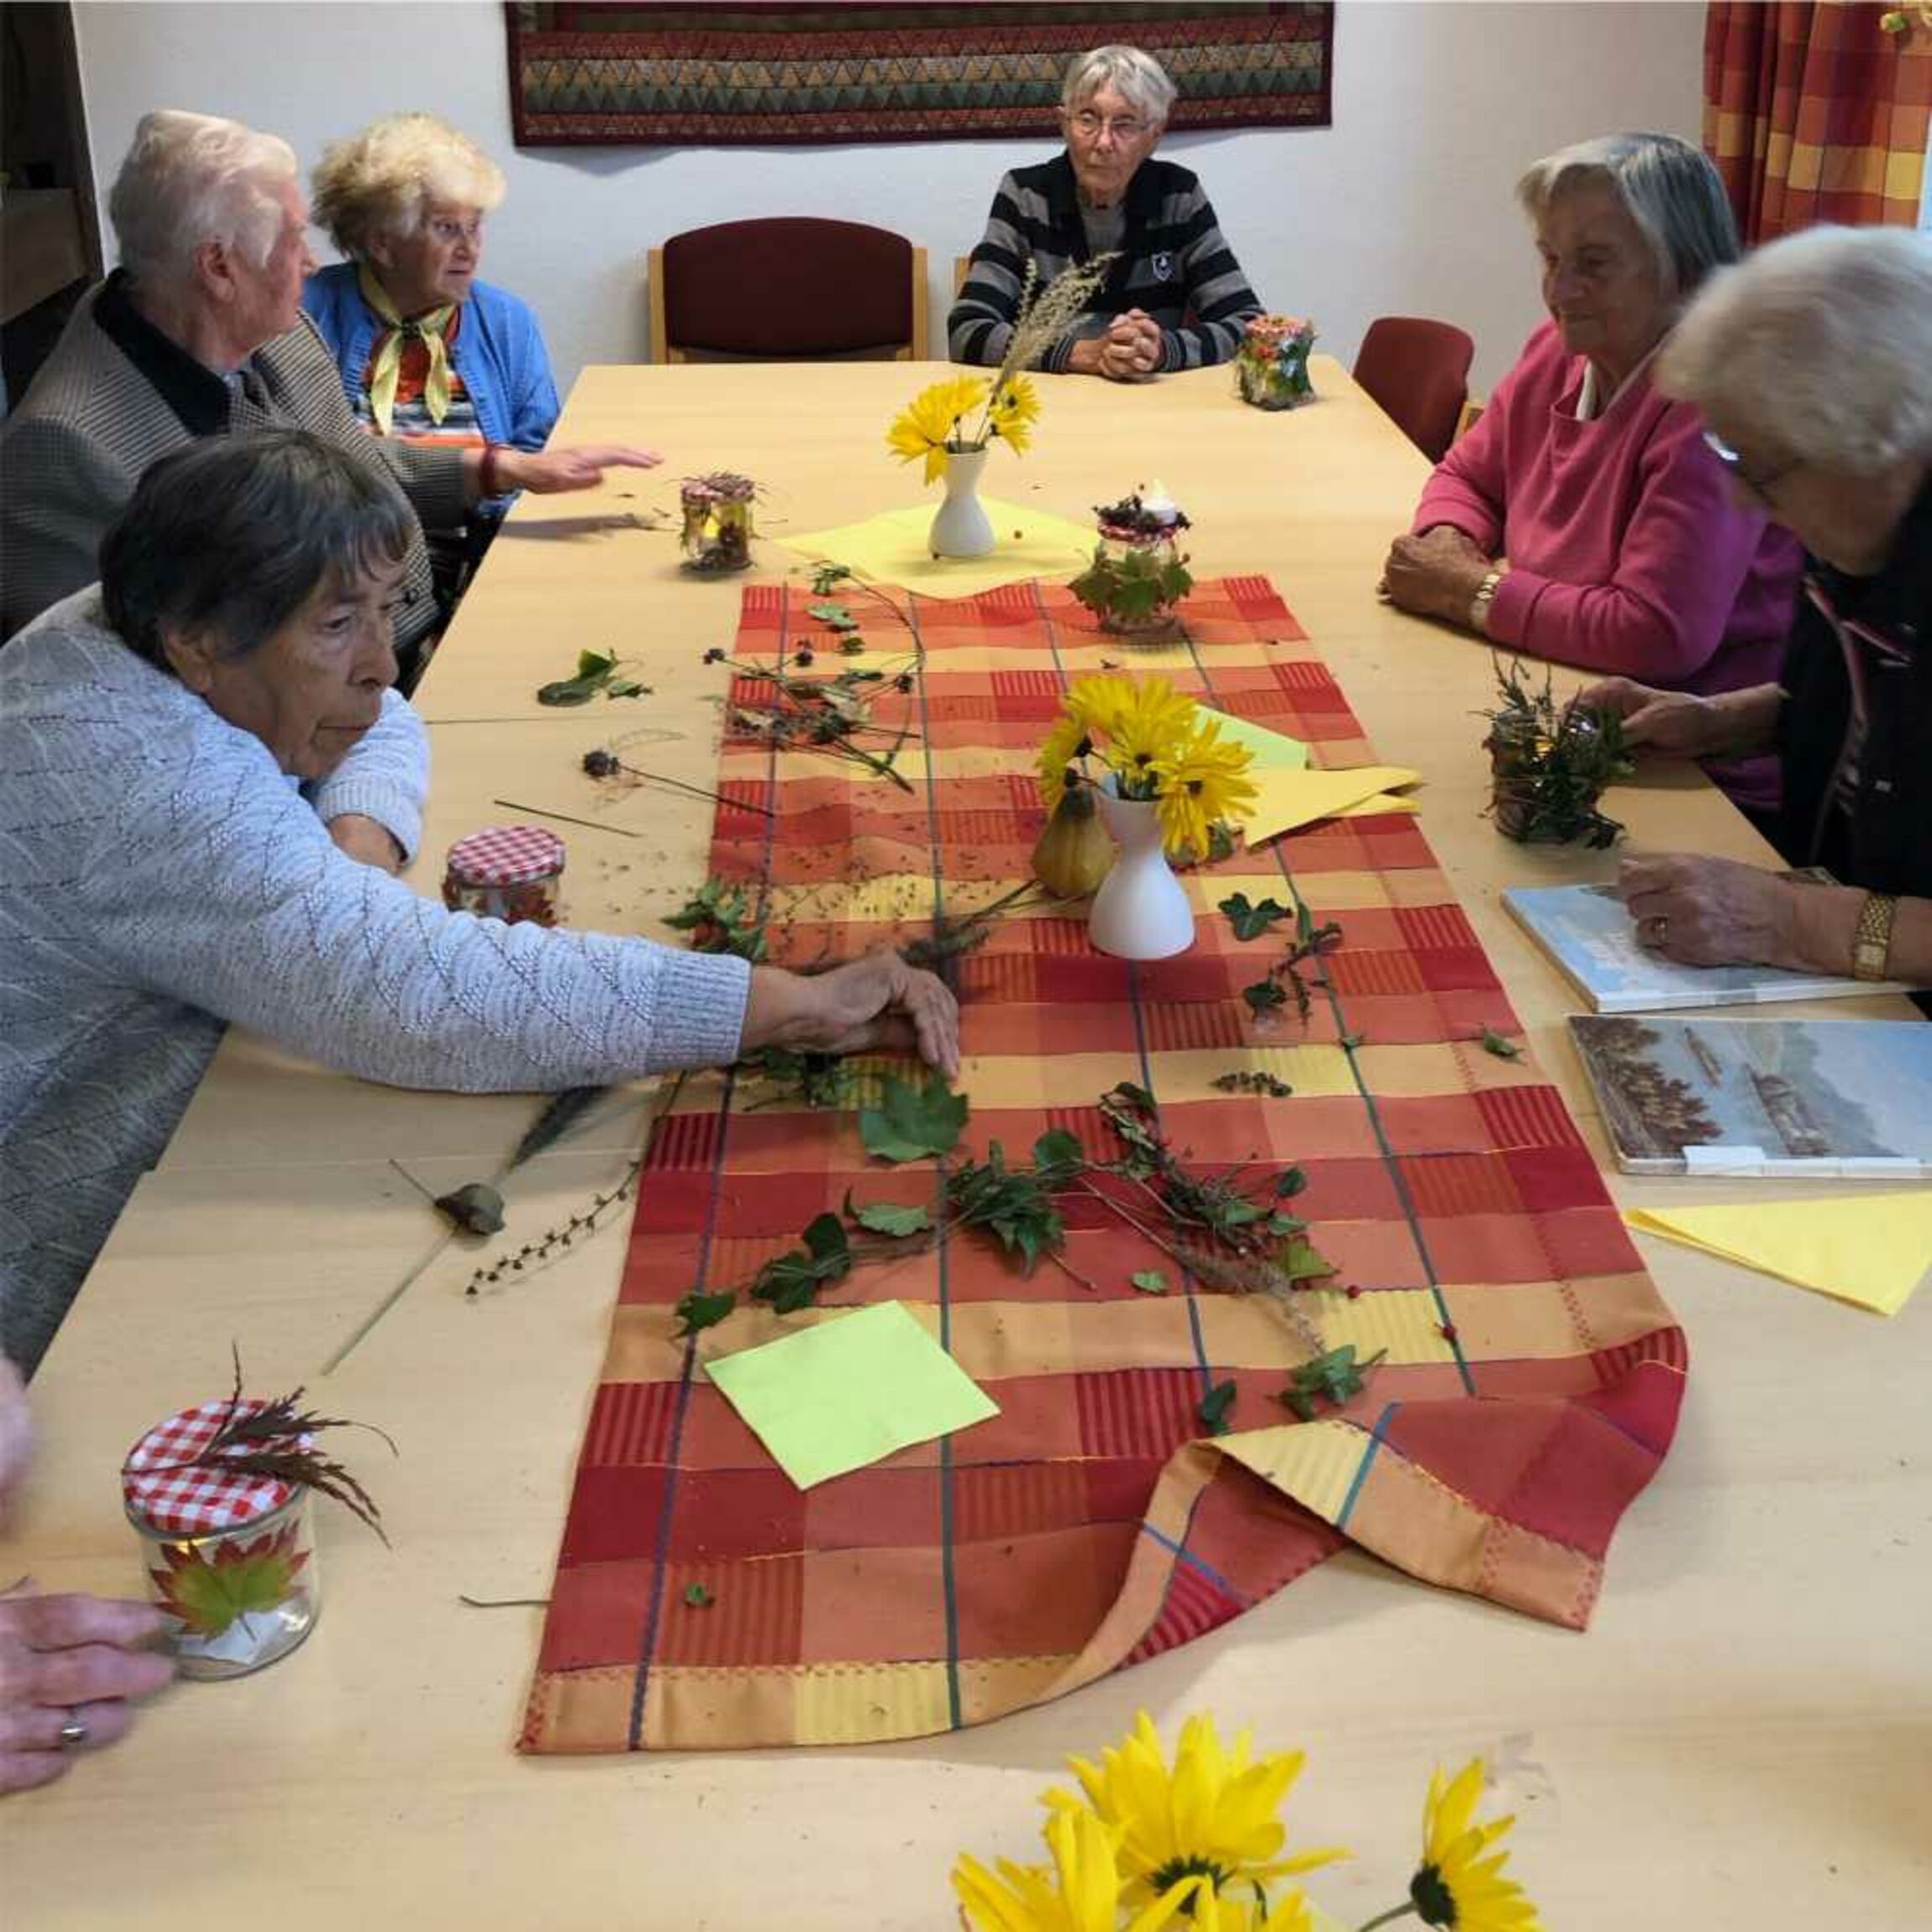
[
  {"x": 1300, "y": 1260},
  {"x": 569, "y": 692},
  {"x": 825, "y": 1238},
  {"x": 1149, "y": 1281},
  {"x": 910, "y": 1124},
  {"x": 789, "y": 1281},
  {"x": 626, "y": 688},
  {"x": 473, "y": 1207},
  {"x": 1250, "y": 922},
  {"x": 698, "y": 1597},
  {"x": 826, "y": 576},
  {"x": 1137, "y": 1098},
  {"x": 1215, "y": 1407},
  {"x": 890, "y": 1218},
  {"x": 1057, "y": 1156},
  {"x": 1263, "y": 997},
  {"x": 698, "y": 1310},
  {"x": 1334, "y": 1376},
  {"x": 836, "y": 615},
  {"x": 1502, "y": 1047},
  {"x": 596, "y": 663},
  {"x": 1288, "y": 1183}
]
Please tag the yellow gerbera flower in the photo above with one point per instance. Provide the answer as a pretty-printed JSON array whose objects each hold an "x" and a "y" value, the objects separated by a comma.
[
  {"x": 932, "y": 420},
  {"x": 1101, "y": 702},
  {"x": 1201, "y": 784},
  {"x": 1063, "y": 745},
  {"x": 1213, "y": 1817},
  {"x": 1153, "y": 725},
  {"x": 1215, "y": 1912},
  {"x": 1016, "y": 411},
  {"x": 1457, "y": 1885},
  {"x": 1081, "y": 1894}
]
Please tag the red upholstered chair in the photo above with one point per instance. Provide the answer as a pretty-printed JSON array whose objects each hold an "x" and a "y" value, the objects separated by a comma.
[
  {"x": 1418, "y": 371},
  {"x": 786, "y": 289}
]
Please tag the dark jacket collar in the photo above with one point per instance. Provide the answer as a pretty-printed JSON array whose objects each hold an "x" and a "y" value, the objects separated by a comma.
[
  {"x": 196, "y": 395},
  {"x": 1897, "y": 600}
]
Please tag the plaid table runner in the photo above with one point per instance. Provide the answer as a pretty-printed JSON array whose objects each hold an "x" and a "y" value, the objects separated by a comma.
[{"x": 1533, "y": 1375}]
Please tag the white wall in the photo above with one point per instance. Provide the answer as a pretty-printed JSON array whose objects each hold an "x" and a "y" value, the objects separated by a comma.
[{"x": 1402, "y": 206}]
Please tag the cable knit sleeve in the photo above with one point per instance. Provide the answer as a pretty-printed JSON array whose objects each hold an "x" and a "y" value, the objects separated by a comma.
[
  {"x": 1683, "y": 560},
  {"x": 385, "y": 777},
  {"x": 212, "y": 881}
]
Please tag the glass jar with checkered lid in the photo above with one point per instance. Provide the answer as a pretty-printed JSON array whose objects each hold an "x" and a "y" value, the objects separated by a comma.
[
  {"x": 230, "y": 1552},
  {"x": 506, "y": 872}
]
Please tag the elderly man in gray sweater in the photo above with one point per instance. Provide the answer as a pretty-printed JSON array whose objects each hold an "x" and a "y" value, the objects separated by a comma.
[
  {"x": 200, "y": 332},
  {"x": 205, "y": 784}
]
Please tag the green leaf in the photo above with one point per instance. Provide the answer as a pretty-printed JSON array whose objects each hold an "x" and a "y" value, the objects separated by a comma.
[
  {"x": 789, "y": 1281},
  {"x": 698, "y": 1310},
  {"x": 208, "y": 1596},
  {"x": 836, "y": 615},
  {"x": 698, "y": 1597},
  {"x": 1057, "y": 1155},
  {"x": 910, "y": 1124},
  {"x": 1215, "y": 1406},
  {"x": 1336, "y": 1377},
  {"x": 824, "y": 577},
  {"x": 1251, "y": 922},
  {"x": 1149, "y": 1281},
  {"x": 1503, "y": 1049},
  {"x": 596, "y": 663},
  {"x": 1288, "y": 1183},
  {"x": 569, "y": 692},
  {"x": 1264, "y": 996},
  {"x": 1138, "y": 1098},
  {"x": 626, "y": 688},
  {"x": 1303, "y": 923},
  {"x": 1300, "y": 1260},
  {"x": 890, "y": 1218},
  {"x": 825, "y": 1238},
  {"x": 473, "y": 1207}
]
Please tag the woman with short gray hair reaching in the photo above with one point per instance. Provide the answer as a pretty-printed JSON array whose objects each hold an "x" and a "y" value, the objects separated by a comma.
[
  {"x": 206, "y": 784},
  {"x": 1583, "y": 519},
  {"x": 1175, "y": 296}
]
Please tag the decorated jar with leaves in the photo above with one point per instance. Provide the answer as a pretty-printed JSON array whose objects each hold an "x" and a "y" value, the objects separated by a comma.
[
  {"x": 1139, "y": 574},
  {"x": 508, "y": 871},
  {"x": 1271, "y": 366},
  {"x": 717, "y": 522},
  {"x": 229, "y": 1556},
  {"x": 1549, "y": 764}
]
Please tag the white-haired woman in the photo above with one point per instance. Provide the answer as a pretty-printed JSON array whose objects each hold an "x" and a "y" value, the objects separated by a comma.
[
  {"x": 426, "y": 349},
  {"x": 1813, "y": 363},
  {"x": 1583, "y": 519},
  {"x": 1176, "y": 297}
]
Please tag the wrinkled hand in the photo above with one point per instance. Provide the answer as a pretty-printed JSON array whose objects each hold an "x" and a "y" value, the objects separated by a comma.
[
  {"x": 1131, "y": 347},
  {"x": 1436, "y": 574},
  {"x": 549, "y": 472},
  {"x": 876, "y": 1004},
  {"x": 70, "y": 1658},
  {"x": 1710, "y": 912},
  {"x": 1679, "y": 724},
  {"x": 366, "y": 840}
]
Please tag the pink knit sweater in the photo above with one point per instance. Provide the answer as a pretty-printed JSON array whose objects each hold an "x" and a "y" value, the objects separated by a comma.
[{"x": 1626, "y": 554}]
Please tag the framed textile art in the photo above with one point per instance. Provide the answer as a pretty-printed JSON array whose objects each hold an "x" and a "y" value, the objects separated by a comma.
[{"x": 586, "y": 72}]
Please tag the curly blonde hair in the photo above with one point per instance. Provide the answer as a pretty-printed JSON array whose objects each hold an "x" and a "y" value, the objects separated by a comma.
[{"x": 382, "y": 181}]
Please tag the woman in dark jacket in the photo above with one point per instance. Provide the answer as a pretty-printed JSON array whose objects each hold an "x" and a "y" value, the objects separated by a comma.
[{"x": 1812, "y": 362}]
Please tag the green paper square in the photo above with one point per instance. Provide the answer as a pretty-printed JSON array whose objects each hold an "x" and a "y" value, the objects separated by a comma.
[{"x": 848, "y": 1392}]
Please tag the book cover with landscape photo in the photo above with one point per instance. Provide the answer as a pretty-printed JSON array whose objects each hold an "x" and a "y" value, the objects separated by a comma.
[
  {"x": 1585, "y": 931},
  {"x": 1817, "y": 1097}
]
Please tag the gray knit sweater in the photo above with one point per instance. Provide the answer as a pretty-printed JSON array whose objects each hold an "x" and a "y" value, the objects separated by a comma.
[{"x": 160, "y": 875}]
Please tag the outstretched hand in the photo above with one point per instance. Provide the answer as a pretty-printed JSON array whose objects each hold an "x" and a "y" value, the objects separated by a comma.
[
  {"x": 549, "y": 472},
  {"x": 873, "y": 1005}
]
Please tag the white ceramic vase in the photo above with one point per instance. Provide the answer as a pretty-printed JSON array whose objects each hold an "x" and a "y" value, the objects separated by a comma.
[
  {"x": 1141, "y": 911},
  {"x": 962, "y": 528}
]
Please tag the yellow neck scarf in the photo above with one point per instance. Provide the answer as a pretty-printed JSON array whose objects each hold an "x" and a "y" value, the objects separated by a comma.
[{"x": 388, "y": 366}]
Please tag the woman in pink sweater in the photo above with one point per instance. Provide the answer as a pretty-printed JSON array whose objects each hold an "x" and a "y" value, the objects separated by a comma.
[{"x": 1583, "y": 518}]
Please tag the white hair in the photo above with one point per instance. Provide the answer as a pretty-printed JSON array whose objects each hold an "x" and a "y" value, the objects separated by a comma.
[
  {"x": 194, "y": 178},
  {"x": 1138, "y": 78},
  {"x": 383, "y": 181},
  {"x": 1821, "y": 342}
]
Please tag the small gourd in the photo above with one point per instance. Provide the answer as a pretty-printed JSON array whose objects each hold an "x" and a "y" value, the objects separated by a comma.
[{"x": 1074, "y": 853}]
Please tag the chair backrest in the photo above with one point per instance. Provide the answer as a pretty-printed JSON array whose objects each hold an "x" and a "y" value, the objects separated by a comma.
[
  {"x": 1418, "y": 371},
  {"x": 788, "y": 287},
  {"x": 962, "y": 267}
]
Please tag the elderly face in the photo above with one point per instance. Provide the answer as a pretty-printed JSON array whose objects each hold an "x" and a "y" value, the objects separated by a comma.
[
  {"x": 310, "y": 691},
  {"x": 268, "y": 299},
  {"x": 1601, "y": 281},
  {"x": 1107, "y": 139},
  {"x": 435, "y": 265}
]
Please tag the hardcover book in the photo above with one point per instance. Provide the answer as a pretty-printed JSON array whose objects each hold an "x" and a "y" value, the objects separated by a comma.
[{"x": 1819, "y": 1098}]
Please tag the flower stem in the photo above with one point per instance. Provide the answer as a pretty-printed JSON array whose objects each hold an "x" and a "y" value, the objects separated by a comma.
[{"x": 1404, "y": 1911}]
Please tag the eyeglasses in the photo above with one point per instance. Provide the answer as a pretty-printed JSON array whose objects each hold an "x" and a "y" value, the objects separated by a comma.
[
  {"x": 1089, "y": 126},
  {"x": 1760, "y": 487},
  {"x": 446, "y": 230}
]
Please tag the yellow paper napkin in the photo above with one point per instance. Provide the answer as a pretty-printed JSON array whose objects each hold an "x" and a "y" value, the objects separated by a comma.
[
  {"x": 1274, "y": 750},
  {"x": 1292, "y": 798},
  {"x": 891, "y": 548},
  {"x": 1870, "y": 1249}
]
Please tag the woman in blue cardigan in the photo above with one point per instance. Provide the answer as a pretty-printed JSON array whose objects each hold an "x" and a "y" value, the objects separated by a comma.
[{"x": 427, "y": 351}]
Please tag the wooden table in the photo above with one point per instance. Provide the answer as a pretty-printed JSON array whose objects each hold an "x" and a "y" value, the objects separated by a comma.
[{"x": 1743, "y": 1738}]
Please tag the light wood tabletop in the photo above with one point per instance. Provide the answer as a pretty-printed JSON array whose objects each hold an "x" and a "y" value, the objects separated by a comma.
[{"x": 1743, "y": 1737}]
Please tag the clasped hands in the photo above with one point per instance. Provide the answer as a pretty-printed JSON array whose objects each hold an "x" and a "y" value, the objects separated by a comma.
[
  {"x": 1128, "y": 351},
  {"x": 1436, "y": 575}
]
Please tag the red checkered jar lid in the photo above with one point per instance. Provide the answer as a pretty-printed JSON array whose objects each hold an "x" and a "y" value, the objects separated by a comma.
[
  {"x": 506, "y": 855},
  {"x": 181, "y": 1501}
]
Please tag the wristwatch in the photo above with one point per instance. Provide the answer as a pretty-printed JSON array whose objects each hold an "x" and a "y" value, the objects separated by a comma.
[
  {"x": 1872, "y": 942},
  {"x": 1480, "y": 603}
]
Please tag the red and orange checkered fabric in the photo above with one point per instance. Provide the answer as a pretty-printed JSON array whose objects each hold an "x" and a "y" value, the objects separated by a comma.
[
  {"x": 1533, "y": 1376},
  {"x": 1815, "y": 113}
]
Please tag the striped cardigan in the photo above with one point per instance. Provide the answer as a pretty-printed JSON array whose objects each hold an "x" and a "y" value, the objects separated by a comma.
[
  {"x": 94, "y": 419},
  {"x": 1173, "y": 266}
]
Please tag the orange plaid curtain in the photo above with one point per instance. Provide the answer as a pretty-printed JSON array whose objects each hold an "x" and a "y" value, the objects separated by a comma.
[{"x": 1815, "y": 113}]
